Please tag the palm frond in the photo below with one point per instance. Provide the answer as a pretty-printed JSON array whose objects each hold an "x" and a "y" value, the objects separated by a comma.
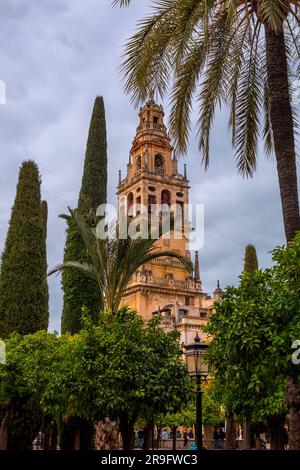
[
  {"x": 273, "y": 13},
  {"x": 249, "y": 100},
  {"x": 201, "y": 49},
  {"x": 113, "y": 260},
  {"x": 214, "y": 85},
  {"x": 121, "y": 3},
  {"x": 84, "y": 268},
  {"x": 88, "y": 235},
  {"x": 148, "y": 54},
  {"x": 187, "y": 75}
]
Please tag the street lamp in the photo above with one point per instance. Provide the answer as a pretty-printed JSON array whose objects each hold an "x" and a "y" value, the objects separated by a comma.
[{"x": 197, "y": 367}]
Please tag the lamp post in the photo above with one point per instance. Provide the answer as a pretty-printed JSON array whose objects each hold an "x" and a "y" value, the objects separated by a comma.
[{"x": 197, "y": 367}]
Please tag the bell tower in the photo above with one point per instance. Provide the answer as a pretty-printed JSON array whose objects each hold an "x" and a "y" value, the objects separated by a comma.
[{"x": 152, "y": 185}]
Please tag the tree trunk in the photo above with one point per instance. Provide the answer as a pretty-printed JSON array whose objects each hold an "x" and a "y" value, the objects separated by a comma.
[
  {"x": 46, "y": 445},
  {"x": 230, "y": 443},
  {"x": 148, "y": 435},
  {"x": 293, "y": 403},
  {"x": 283, "y": 129},
  {"x": 257, "y": 438},
  {"x": 106, "y": 434},
  {"x": 49, "y": 435},
  {"x": 276, "y": 429},
  {"x": 127, "y": 432},
  {"x": 4, "y": 429},
  {"x": 77, "y": 437},
  {"x": 54, "y": 438},
  {"x": 174, "y": 437},
  {"x": 247, "y": 433},
  {"x": 283, "y": 132},
  {"x": 158, "y": 437}
]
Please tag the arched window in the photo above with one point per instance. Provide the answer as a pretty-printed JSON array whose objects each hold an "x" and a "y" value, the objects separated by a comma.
[
  {"x": 130, "y": 204},
  {"x": 138, "y": 163},
  {"x": 166, "y": 197},
  {"x": 165, "y": 212},
  {"x": 159, "y": 162}
]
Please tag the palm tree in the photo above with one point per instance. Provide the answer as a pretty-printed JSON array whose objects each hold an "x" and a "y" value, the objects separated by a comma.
[
  {"x": 242, "y": 53},
  {"x": 113, "y": 261}
]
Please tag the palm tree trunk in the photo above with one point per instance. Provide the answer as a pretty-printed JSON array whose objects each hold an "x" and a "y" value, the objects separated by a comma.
[{"x": 283, "y": 129}]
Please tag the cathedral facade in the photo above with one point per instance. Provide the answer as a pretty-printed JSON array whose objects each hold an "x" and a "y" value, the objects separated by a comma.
[{"x": 162, "y": 287}]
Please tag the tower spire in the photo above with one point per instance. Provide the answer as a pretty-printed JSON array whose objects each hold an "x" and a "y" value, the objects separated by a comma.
[
  {"x": 197, "y": 269},
  {"x": 218, "y": 292}
]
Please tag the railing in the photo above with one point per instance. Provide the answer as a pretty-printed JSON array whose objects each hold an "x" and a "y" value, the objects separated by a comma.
[
  {"x": 173, "y": 262},
  {"x": 184, "y": 284},
  {"x": 156, "y": 173},
  {"x": 146, "y": 279},
  {"x": 160, "y": 281}
]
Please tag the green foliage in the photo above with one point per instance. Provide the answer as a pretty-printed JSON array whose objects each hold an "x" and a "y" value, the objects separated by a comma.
[
  {"x": 79, "y": 291},
  {"x": 94, "y": 179},
  {"x": 250, "y": 260},
  {"x": 212, "y": 412},
  {"x": 44, "y": 208},
  {"x": 186, "y": 416},
  {"x": 253, "y": 330},
  {"x": 23, "y": 281}
]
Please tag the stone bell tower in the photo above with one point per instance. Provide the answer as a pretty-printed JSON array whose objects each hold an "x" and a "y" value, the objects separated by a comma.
[{"x": 163, "y": 286}]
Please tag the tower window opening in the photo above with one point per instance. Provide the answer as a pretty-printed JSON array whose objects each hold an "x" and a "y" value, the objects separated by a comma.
[
  {"x": 138, "y": 163},
  {"x": 138, "y": 205},
  {"x": 159, "y": 163},
  {"x": 166, "y": 197},
  {"x": 180, "y": 215},
  {"x": 182, "y": 313},
  {"x": 151, "y": 203},
  {"x": 130, "y": 204}
]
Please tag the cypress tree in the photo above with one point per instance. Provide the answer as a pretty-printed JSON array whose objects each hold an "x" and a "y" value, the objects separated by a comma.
[
  {"x": 250, "y": 266},
  {"x": 44, "y": 209},
  {"x": 78, "y": 290},
  {"x": 23, "y": 282},
  {"x": 250, "y": 260}
]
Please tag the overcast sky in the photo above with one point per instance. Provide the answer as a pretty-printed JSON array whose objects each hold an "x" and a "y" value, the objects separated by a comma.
[{"x": 56, "y": 56}]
